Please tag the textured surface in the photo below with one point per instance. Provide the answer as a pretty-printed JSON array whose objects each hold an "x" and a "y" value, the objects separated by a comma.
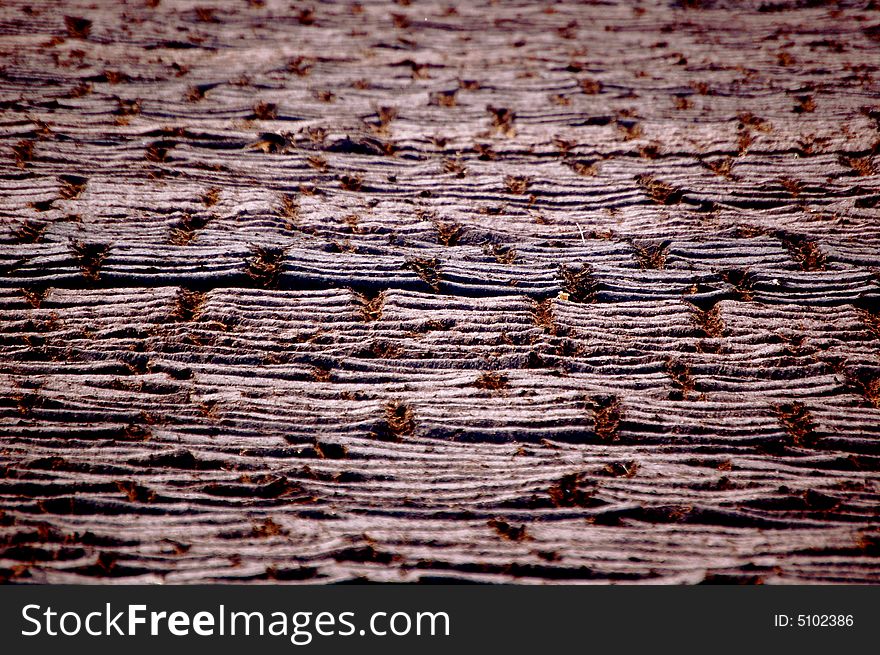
[{"x": 500, "y": 293}]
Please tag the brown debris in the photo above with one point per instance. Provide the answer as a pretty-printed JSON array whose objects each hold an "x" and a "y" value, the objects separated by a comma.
[
  {"x": 265, "y": 267},
  {"x": 606, "y": 416},
  {"x": 492, "y": 381},
  {"x": 580, "y": 284},
  {"x": 399, "y": 422},
  {"x": 427, "y": 270},
  {"x": 30, "y": 231},
  {"x": 502, "y": 120},
  {"x": 370, "y": 305},
  {"x": 23, "y": 151},
  {"x": 680, "y": 375},
  {"x": 573, "y": 490},
  {"x": 90, "y": 257},
  {"x": 797, "y": 421},
  {"x": 660, "y": 192},
  {"x": 187, "y": 304},
  {"x": 77, "y": 28},
  {"x": 508, "y": 531},
  {"x": 651, "y": 256},
  {"x": 266, "y": 111},
  {"x": 71, "y": 186},
  {"x": 517, "y": 184}
]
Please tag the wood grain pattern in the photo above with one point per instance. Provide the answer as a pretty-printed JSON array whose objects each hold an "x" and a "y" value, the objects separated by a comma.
[{"x": 478, "y": 292}]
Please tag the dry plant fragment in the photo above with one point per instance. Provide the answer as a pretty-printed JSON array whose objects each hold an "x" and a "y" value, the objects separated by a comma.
[
  {"x": 502, "y": 120},
  {"x": 23, "y": 151},
  {"x": 863, "y": 166},
  {"x": 187, "y": 304}
]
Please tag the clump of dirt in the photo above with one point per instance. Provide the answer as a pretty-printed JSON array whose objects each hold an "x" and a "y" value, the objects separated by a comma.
[
  {"x": 585, "y": 168},
  {"x": 485, "y": 152},
  {"x": 722, "y": 167},
  {"x": 709, "y": 321},
  {"x": 157, "y": 152},
  {"x": 34, "y": 296},
  {"x": 492, "y": 381},
  {"x": 748, "y": 119},
  {"x": 265, "y": 111},
  {"x": 327, "y": 450},
  {"x": 317, "y": 162},
  {"x": 194, "y": 94},
  {"x": 620, "y": 469},
  {"x": 270, "y": 142},
  {"x": 862, "y": 166},
  {"x": 589, "y": 86},
  {"x": 454, "y": 166},
  {"x": 443, "y": 98},
  {"x": 268, "y": 528},
  {"x": 289, "y": 209},
  {"x": 77, "y": 28},
  {"x": 502, "y": 254},
  {"x": 630, "y": 130},
  {"x": 90, "y": 257},
  {"x": 265, "y": 267},
  {"x": 508, "y": 531},
  {"x": 798, "y": 423},
  {"x": 23, "y": 152},
  {"x": 865, "y": 382},
  {"x": 743, "y": 282},
  {"x": 210, "y": 197},
  {"x": 354, "y": 182},
  {"x": 793, "y": 186},
  {"x": 606, "y": 416},
  {"x": 135, "y": 492},
  {"x": 384, "y": 116},
  {"x": 301, "y": 66},
  {"x": 363, "y": 555}
]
